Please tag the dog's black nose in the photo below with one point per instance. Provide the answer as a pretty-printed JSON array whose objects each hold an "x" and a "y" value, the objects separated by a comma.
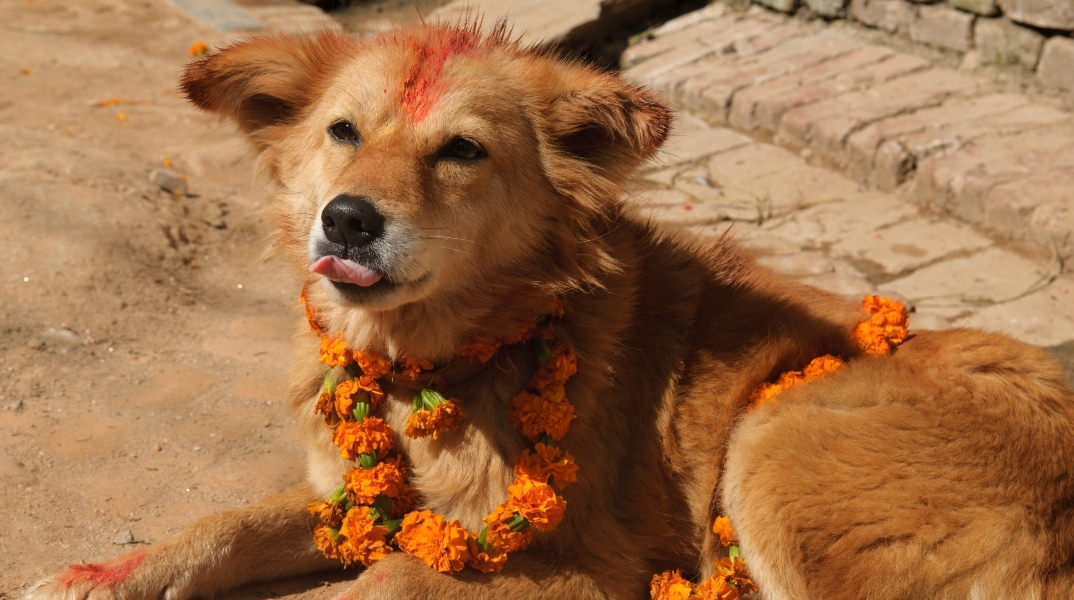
[{"x": 352, "y": 221}]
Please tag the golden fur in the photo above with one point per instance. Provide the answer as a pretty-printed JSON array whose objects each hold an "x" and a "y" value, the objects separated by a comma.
[{"x": 942, "y": 471}]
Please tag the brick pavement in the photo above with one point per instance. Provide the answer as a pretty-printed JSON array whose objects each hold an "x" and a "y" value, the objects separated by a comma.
[
  {"x": 885, "y": 173},
  {"x": 945, "y": 139}
]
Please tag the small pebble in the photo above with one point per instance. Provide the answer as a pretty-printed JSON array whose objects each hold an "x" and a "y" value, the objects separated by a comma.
[
  {"x": 124, "y": 538},
  {"x": 169, "y": 180}
]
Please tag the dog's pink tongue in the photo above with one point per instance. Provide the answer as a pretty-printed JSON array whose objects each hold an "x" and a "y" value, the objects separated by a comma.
[{"x": 345, "y": 271}]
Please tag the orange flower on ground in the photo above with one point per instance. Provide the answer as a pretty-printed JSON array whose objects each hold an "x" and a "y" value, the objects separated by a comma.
[
  {"x": 370, "y": 436},
  {"x": 548, "y": 462},
  {"x": 329, "y": 513},
  {"x": 722, "y": 528},
  {"x": 537, "y": 502},
  {"x": 549, "y": 413},
  {"x": 352, "y": 390},
  {"x": 327, "y": 540},
  {"x": 334, "y": 352},
  {"x": 486, "y": 562},
  {"x": 372, "y": 364},
  {"x": 386, "y": 478},
  {"x": 561, "y": 365},
  {"x": 412, "y": 367},
  {"x": 670, "y": 585},
  {"x": 886, "y": 327},
  {"x": 365, "y": 540},
  {"x": 443, "y": 545},
  {"x": 500, "y": 535},
  {"x": 198, "y": 48},
  {"x": 480, "y": 351}
]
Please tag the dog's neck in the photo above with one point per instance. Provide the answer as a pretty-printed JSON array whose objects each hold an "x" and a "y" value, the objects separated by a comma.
[{"x": 433, "y": 328}]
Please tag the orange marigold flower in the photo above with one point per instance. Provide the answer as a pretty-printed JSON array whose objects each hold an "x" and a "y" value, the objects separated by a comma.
[
  {"x": 561, "y": 365},
  {"x": 556, "y": 307},
  {"x": 670, "y": 585},
  {"x": 365, "y": 540},
  {"x": 370, "y": 436},
  {"x": 536, "y": 502},
  {"x": 818, "y": 367},
  {"x": 364, "y": 485},
  {"x": 524, "y": 333},
  {"x": 486, "y": 562},
  {"x": 348, "y": 392},
  {"x": 311, "y": 311},
  {"x": 327, "y": 540},
  {"x": 372, "y": 364},
  {"x": 329, "y": 513},
  {"x": 733, "y": 570},
  {"x": 443, "y": 545},
  {"x": 334, "y": 352},
  {"x": 404, "y": 501},
  {"x": 886, "y": 327},
  {"x": 480, "y": 351},
  {"x": 821, "y": 366},
  {"x": 446, "y": 416},
  {"x": 500, "y": 536},
  {"x": 412, "y": 367},
  {"x": 716, "y": 588},
  {"x": 549, "y": 413},
  {"x": 548, "y": 462},
  {"x": 722, "y": 528},
  {"x": 326, "y": 407},
  {"x": 198, "y": 48}
]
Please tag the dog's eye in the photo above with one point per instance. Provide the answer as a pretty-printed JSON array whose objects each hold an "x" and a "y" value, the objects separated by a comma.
[
  {"x": 344, "y": 132},
  {"x": 464, "y": 149}
]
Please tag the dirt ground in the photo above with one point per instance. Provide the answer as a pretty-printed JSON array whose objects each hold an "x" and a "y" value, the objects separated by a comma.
[
  {"x": 143, "y": 339},
  {"x": 143, "y": 342}
]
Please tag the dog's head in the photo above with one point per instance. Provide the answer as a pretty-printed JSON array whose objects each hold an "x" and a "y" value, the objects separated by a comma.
[{"x": 432, "y": 160}]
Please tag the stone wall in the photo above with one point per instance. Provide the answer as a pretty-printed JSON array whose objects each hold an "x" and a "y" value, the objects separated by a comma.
[{"x": 1035, "y": 34}]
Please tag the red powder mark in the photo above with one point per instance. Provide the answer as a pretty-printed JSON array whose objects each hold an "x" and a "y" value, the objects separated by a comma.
[
  {"x": 109, "y": 574},
  {"x": 422, "y": 86}
]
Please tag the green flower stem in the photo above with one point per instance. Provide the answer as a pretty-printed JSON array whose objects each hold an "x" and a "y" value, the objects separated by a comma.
[
  {"x": 362, "y": 408},
  {"x": 353, "y": 370},
  {"x": 518, "y": 523},
  {"x": 483, "y": 539},
  {"x": 368, "y": 461},
  {"x": 329, "y": 382},
  {"x": 547, "y": 440},
  {"x": 542, "y": 351},
  {"x": 428, "y": 399},
  {"x": 338, "y": 495},
  {"x": 733, "y": 553}
]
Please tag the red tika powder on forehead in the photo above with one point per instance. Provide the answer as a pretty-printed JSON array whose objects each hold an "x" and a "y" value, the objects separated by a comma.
[{"x": 422, "y": 86}]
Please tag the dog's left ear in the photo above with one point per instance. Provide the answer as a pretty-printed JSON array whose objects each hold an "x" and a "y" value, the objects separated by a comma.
[
  {"x": 604, "y": 122},
  {"x": 266, "y": 81}
]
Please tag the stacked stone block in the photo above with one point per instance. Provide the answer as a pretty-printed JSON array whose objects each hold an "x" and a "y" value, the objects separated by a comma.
[
  {"x": 891, "y": 120},
  {"x": 1004, "y": 32}
]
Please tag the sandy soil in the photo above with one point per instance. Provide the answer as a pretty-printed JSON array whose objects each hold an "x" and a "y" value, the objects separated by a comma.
[{"x": 142, "y": 342}]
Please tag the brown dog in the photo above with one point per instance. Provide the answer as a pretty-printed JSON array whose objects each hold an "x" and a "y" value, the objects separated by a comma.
[{"x": 443, "y": 184}]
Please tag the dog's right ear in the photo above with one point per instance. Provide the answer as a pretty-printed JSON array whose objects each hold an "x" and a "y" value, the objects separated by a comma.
[{"x": 265, "y": 81}]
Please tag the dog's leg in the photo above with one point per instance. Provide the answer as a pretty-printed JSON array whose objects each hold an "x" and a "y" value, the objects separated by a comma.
[
  {"x": 263, "y": 541},
  {"x": 528, "y": 575}
]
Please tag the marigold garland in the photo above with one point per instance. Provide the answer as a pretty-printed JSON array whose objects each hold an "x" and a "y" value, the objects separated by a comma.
[
  {"x": 886, "y": 328},
  {"x": 372, "y": 508}
]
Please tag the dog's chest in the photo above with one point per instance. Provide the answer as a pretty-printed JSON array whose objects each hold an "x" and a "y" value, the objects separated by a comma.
[{"x": 464, "y": 474}]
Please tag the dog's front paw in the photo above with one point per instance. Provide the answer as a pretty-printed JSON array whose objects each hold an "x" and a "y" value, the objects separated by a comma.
[
  {"x": 400, "y": 576},
  {"x": 134, "y": 576}
]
